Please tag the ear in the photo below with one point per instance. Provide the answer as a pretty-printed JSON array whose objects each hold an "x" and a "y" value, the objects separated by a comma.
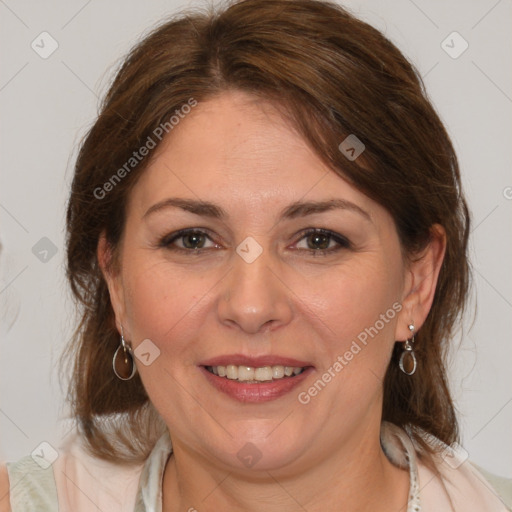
[
  {"x": 420, "y": 283},
  {"x": 112, "y": 275}
]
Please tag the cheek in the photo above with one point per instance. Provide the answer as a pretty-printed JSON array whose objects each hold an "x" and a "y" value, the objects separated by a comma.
[
  {"x": 162, "y": 302},
  {"x": 358, "y": 308},
  {"x": 352, "y": 300}
]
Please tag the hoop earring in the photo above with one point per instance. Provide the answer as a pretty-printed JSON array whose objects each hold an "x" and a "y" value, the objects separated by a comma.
[
  {"x": 122, "y": 363},
  {"x": 408, "y": 363}
]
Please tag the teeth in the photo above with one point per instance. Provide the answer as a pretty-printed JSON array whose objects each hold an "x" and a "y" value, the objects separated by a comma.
[
  {"x": 245, "y": 373},
  {"x": 277, "y": 372},
  {"x": 232, "y": 371},
  {"x": 253, "y": 375},
  {"x": 262, "y": 374}
]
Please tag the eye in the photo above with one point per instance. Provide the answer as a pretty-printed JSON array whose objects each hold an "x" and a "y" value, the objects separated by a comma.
[
  {"x": 187, "y": 240},
  {"x": 321, "y": 242}
]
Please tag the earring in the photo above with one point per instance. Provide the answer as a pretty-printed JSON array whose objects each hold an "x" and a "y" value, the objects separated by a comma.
[
  {"x": 122, "y": 363},
  {"x": 408, "y": 361}
]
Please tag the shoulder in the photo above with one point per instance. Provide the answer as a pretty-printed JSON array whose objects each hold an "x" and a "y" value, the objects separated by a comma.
[
  {"x": 30, "y": 486},
  {"x": 447, "y": 480},
  {"x": 4, "y": 489},
  {"x": 490, "y": 484},
  {"x": 69, "y": 479},
  {"x": 501, "y": 485},
  {"x": 463, "y": 483},
  {"x": 82, "y": 479}
]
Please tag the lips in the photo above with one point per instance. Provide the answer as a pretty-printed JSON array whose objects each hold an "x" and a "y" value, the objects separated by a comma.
[
  {"x": 256, "y": 392},
  {"x": 254, "y": 362}
]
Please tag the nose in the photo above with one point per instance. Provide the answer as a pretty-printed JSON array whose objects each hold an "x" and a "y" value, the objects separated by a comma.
[{"x": 254, "y": 296}]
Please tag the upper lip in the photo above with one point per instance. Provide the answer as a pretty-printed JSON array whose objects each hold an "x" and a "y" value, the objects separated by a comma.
[{"x": 254, "y": 362}]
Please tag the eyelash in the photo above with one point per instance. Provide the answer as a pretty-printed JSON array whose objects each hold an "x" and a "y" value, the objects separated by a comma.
[{"x": 343, "y": 243}]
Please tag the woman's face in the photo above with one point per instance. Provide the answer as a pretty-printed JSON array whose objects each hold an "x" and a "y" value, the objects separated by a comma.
[{"x": 250, "y": 286}]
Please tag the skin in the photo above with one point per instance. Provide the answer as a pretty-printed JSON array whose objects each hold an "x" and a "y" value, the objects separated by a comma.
[
  {"x": 4, "y": 489},
  {"x": 238, "y": 153}
]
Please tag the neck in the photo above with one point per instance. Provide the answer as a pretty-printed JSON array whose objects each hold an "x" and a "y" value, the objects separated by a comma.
[{"x": 357, "y": 477}]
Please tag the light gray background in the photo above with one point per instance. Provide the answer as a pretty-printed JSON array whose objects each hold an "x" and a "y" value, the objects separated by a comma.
[{"x": 47, "y": 104}]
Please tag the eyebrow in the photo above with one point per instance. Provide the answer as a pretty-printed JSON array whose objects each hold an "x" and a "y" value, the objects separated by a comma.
[{"x": 292, "y": 211}]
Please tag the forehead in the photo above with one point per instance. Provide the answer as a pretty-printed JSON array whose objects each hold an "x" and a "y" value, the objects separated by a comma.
[
  {"x": 239, "y": 151},
  {"x": 236, "y": 132}
]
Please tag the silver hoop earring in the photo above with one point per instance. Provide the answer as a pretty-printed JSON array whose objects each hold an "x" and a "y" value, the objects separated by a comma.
[
  {"x": 122, "y": 363},
  {"x": 408, "y": 361}
]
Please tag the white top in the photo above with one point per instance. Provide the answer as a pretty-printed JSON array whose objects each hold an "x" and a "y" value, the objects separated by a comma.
[{"x": 78, "y": 482}]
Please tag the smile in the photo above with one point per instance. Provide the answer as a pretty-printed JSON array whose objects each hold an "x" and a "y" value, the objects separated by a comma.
[
  {"x": 254, "y": 375},
  {"x": 255, "y": 384}
]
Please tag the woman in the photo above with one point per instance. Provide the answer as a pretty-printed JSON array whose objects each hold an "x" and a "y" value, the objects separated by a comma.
[{"x": 268, "y": 240}]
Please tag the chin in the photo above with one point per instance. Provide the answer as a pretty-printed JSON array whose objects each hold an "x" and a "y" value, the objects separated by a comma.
[{"x": 260, "y": 446}]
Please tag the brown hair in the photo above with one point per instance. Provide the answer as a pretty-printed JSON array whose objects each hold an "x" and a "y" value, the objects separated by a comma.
[{"x": 332, "y": 75}]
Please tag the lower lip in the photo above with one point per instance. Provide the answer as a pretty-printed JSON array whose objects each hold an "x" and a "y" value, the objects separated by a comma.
[{"x": 255, "y": 393}]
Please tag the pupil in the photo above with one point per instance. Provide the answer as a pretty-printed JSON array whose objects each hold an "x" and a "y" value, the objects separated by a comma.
[
  {"x": 195, "y": 238},
  {"x": 321, "y": 240}
]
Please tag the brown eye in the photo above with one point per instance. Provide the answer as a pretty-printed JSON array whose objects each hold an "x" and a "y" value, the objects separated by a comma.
[
  {"x": 318, "y": 241},
  {"x": 193, "y": 240},
  {"x": 322, "y": 242},
  {"x": 187, "y": 240}
]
